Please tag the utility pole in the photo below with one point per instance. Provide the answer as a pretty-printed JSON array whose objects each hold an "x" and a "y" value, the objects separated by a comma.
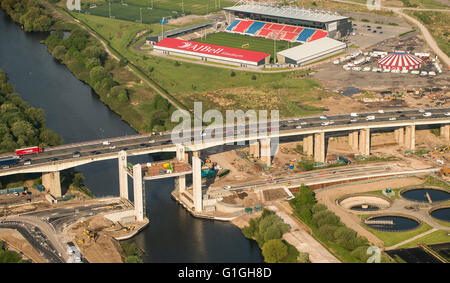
[{"x": 140, "y": 12}]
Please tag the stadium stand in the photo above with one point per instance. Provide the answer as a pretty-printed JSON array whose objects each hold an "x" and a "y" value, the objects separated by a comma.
[
  {"x": 279, "y": 31},
  {"x": 264, "y": 32},
  {"x": 233, "y": 24},
  {"x": 290, "y": 36},
  {"x": 255, "y": 27},
  {"x": 243, "y": 26},
  {"x": 289, "y": 28},
  {"x": 305, "y": 34},
  {"x": 318, "y": 35}
]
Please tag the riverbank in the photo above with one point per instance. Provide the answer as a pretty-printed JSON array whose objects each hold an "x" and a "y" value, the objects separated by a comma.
[{"x": 83, "y": 54}]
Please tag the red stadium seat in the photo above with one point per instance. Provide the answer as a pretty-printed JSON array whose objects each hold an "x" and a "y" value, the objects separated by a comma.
[
  {"x": 276, "y": 27},
  {"x": 290, "y": 36},
  {"x": 289, "y": 28},
  {"x": 298, "y": 30},
  {"x": 264, "y": 32},
  {"x": 318, "y": 35},
  {"x": 243, "y": 26}
]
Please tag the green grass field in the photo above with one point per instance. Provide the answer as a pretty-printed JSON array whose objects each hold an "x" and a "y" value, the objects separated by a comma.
[
  {"x": 152, "y": 10},
  {"x": 246, "y": 42}
]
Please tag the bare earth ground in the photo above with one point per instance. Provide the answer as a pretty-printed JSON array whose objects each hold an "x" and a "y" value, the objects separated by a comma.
[
  {"x": 103, "y": 249},
  {"x": 18, "y": 243},
  {"x": 328, "y": 198}
]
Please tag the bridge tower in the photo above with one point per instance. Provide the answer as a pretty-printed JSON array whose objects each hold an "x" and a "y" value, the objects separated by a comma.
[
  {"x": 123, "y": 176},
  {"x": 197, "y": 181},
  {"x": 181, "y": 180},
  {"x": 138, "y": 191}
]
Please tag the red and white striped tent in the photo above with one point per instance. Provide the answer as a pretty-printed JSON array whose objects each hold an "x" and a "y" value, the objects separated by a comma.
[{"x": 400, "y": 61}]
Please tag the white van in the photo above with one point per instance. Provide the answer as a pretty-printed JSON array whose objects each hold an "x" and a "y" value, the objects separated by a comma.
[
  {"x": 371, "y": 117},
  {"x": 353, "y": 114}
]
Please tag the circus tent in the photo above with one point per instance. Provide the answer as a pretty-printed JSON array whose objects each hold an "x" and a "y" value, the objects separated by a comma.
[{"x": 400, "y": 61}]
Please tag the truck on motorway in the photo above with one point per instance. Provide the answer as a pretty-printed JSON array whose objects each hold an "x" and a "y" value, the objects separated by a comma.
[
  {"x": 9, "y": 161},
  {"x": 29, "y": 150}
]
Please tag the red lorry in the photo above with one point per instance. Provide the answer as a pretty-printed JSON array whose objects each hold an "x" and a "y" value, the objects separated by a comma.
[{"x": 28, "y": 150}]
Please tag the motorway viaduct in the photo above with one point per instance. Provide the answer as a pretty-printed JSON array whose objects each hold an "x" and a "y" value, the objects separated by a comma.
[{"x": 261, "y": 146}]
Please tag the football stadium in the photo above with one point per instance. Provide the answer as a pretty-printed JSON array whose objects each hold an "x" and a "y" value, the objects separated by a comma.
[{"x": 256, "y": 35}]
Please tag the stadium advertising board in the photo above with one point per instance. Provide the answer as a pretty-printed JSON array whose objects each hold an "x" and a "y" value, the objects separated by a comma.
[{"x": 212, "y": 50}]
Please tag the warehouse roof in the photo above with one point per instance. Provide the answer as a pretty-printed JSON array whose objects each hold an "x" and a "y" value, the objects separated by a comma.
[
  {"x": 312, "y": 49},
  {"x": 288, "y": 12}
]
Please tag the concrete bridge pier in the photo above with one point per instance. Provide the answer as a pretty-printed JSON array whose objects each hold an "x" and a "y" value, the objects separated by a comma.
[
  {"x": 445, "y": 132},
  {"x": 308, "y": 145},
  {"x": 364, "y": 142},
  {"x": 197, "y": 181},
  {"x": 319, "y": 147},
  {"x": 266, "y": 155},
  {"x": 399, "y": 135},
  {"x": 410, "y": 137},
  {"x": 52, "y": 181},
  {"x": 254, "y": 148},
  {"x": 123, "y": 176},
  {"x": 353, "y": 140},
  {"x": 138, "y": 191},
  {"x": 181, "y": 180}
]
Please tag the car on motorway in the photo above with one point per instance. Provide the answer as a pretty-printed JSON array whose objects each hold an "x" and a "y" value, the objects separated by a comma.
[
  {"x": 323, "y": 117},
  {"x": 76, "y": 154},
  {"x": 53, "y": 158},
  {"x": 143, "y": 144},
  {"x": 325, "y": 123},
  {"x": 427, "y": 114},
  {"x": 95, "y": 152},
  {"x": 353, "y": 114},
  {"x": 381, "y": 111},
  {"x": 304, "y": 123},
  {"x": 392, "y": 119},
  {"x": 353, "y": 120},
  {"x": 331, "y": 122},
  {"x": 369, "y": 118},
  {"x": 165, "y": 142},
  {"x": 413, "y": 118},
  {"x": 151, "y": 141},
  {"x": 227, "y": 187},
  {"x": 106, "y": 143},
  {"x": 421, "y": 110},
  {"x": 112, "y": 147},
  {"x": 298, "y": 127},
  {"x": 447, "y": 114},
  {"x": 124, "y": 148}
]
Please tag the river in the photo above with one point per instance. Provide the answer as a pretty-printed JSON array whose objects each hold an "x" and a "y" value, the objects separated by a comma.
[{"x": 75, "y": 112}]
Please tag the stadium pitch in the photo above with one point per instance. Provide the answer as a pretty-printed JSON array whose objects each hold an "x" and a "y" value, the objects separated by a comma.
[{"x": 246, "y": 42}]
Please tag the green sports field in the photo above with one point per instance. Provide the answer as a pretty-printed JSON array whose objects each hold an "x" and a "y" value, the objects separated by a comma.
[
  {"x": 151, "y": 10},
  {"x": 246, "y": 42}
]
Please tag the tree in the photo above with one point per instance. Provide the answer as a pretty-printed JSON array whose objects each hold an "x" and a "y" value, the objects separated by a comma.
[
  {"x": 272, "y": 233},
  {"x": 274, "y": 251},
  {"x": 306, "y": 214},
  {"x": 78, "y": 180},
  {"x": 59, "y": 52}
]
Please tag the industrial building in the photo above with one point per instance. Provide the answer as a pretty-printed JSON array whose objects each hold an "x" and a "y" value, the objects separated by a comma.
[{"x": 312, "y": 51}]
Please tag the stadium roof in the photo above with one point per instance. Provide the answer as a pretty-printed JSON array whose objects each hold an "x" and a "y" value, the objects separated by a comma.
[
  {"x": 288, "y": 12},
  {"x": 186, "y": 29},
  {"x": 313, "y": 49}
]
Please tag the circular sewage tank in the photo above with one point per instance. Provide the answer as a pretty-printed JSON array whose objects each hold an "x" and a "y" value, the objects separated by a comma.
[
  {"x": 422, "y": 194},
  {"x": 392, "y": 223},
  {"x": 364, "y": 202},
  {"x": 442, "y": 214}
]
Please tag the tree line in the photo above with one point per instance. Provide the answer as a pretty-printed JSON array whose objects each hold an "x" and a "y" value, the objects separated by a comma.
[
  {"x": 21, "y": 125},
  {"x": 267, "y": 231},
  {"x": 329, "y": 228},
  {"x": 31, "y": 15}
]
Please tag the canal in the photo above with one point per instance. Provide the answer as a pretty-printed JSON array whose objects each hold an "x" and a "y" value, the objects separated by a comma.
[{"x": 74, "y": 111}]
